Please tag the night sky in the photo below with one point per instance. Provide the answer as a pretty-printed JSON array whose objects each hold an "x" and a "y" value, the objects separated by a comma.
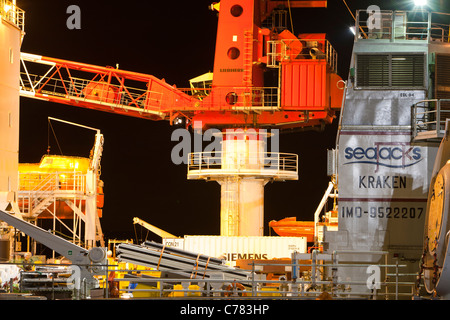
[{"x": 175, "y": 41}]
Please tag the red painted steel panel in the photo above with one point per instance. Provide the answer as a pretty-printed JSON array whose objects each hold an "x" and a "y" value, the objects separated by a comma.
[{"x": 304, "y": 85}]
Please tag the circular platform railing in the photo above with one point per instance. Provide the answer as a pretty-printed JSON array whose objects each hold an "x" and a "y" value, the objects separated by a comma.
[{"x": 271, "y": 165}]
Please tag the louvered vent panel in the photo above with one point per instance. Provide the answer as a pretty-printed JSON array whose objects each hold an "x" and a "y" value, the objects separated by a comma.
[
  {"x": 390, "y": 71},
  {"x": 442, "y": 79},
  {"x": 408, "y": 71},
  {"x": 372, "y": 71}
]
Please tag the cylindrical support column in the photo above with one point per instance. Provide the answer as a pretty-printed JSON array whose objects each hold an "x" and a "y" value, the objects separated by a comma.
[
  {"x": 242, "y": 195},
  {"x": 242, "y": 207},
  {"x": 245, "y": 168},
  {"x": 252, "y": 207},
  {"x": 91, "y": 209}
]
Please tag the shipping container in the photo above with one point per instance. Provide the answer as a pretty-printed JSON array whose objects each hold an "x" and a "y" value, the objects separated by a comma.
[{"x": 231, "y": 249}]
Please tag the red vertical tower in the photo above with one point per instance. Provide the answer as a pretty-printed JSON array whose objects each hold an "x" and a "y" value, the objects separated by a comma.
[
  {"x": 306, "y": 92},
  {"x": 235, "y": 47}
]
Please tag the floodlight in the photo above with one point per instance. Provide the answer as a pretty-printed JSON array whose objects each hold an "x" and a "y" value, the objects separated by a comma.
[
  {"x": 6, "y": 7},
  {"x": 420, "y": 3}
]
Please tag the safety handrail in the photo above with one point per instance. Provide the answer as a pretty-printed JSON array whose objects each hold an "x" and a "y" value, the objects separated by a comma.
[
  {"x": 307, "y": 286},
  {"x": 429, "y": 117},
  {"x": 125, "y": 97},
  {"x": 269, "y": 162},
  {"x": 61, "y": 180},
  {"x": 36, "y": 187},
  {"x": 401, "y": 25},
  {"x": 281, "y": 50},
  {"x": 12, "y": 13},
  {"x": 77, "y": 88}
]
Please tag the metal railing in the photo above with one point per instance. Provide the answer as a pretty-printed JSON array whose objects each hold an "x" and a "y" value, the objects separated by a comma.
[
  {"x": 36, "y": 187},
  {"x": 243, "y": 99},
  {"x": 429, "y": 118},
  {"x": 301, "y": 49},
  {"x": 259, "y": 163},
  {"x": 150, "y": 283},
  {"x": 73, "y": 181},
  {"x": 309, "y": 284},
  {"x": 402, "y": 25},
  {"x": 12, "y": 13},
  {"x": 114, "y": 94},
  {"x": 99, "y": 91}
]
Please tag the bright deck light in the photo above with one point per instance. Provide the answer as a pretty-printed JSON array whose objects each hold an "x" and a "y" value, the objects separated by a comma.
[{"x": 420, "y": 3}]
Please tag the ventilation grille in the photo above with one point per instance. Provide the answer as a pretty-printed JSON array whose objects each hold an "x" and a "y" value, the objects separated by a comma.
[
  {"x": 442, "y": 79},
  {"x": 390, "y": 71},
  {"x": 372, "y": 71},
  {"x": 442, "y": 76}
]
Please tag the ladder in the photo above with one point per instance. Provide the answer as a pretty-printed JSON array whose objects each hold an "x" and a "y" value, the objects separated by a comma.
[
  {"x": 230, "y": 213},
  {"x": 248, "y": 58}
]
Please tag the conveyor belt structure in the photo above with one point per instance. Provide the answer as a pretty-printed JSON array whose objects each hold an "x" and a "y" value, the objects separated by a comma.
[{"x": 186, "y": 264}]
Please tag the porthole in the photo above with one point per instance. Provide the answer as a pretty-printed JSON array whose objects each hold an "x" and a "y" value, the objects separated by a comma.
[
  {"x": 231, "y": 98},
  {"x": 236, "y": 10},
  {"x": 233, "y": 53}
]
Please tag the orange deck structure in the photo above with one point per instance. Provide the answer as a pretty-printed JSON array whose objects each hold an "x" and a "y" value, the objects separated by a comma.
[
  {"x": 290, "y": 227},
  {"x": 61, "y": 175}
]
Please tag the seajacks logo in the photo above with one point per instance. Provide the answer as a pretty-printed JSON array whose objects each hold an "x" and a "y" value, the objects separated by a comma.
[{"x": 385, "y": 154}]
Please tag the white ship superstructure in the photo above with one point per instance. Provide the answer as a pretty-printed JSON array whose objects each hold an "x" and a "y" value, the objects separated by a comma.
[
  {"x": 11, "y": 34},
  {"x": 383, "y": 166}
]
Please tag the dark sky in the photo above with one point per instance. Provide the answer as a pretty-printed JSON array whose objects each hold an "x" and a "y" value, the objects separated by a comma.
[{"x": 175, "y": 41}]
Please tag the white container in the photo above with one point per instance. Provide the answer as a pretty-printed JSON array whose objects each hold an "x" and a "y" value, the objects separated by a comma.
[{"x": 235, "y": 248}]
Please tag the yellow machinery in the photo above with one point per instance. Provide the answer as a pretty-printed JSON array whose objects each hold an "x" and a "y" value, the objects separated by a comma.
[
  {"x": 152, "y": 228},
  {"x": 64, "y": 173},
  {"x": 65, "y": 187}
]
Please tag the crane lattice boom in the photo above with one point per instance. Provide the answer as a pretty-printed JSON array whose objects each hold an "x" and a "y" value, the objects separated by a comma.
[{"x": 305, "y": 94}]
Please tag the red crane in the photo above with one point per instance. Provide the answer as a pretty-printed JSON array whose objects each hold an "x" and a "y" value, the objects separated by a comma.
[{"x": 306, "y": 92}]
